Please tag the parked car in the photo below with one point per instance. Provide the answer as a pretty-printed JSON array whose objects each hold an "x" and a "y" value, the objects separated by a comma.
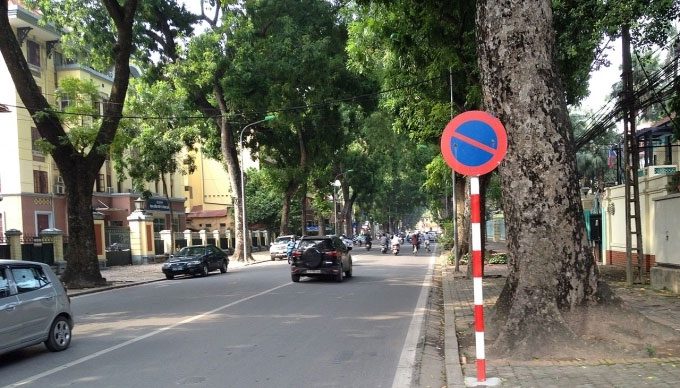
[
  {"x": 349, "y": 243},
  {"x": 359, "y": 239},
  {"x": 321, "y": 256},
  {"x": 34, "y": 307},
  {"x": 278, "y": 248},
  {"x": 196, "y": 260}
]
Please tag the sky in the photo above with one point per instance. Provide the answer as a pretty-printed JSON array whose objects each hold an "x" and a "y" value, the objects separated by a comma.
[{"x": 601, "y": 81}]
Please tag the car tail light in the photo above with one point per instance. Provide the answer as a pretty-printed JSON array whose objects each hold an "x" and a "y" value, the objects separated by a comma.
[
  {"x": 297, "y": 253},
  {"x": 332, "y": 254}
]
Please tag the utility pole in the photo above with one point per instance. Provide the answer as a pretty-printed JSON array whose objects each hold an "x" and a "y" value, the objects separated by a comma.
[{"x": 631, "y": 166}]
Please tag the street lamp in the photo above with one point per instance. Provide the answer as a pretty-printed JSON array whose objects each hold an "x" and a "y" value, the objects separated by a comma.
[
  {"x": 336, "y": 183},
  {"x": 244, "y": 238}
]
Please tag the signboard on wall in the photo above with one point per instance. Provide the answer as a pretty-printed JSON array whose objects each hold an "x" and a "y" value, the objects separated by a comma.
[{"x": 157, "y": 204}]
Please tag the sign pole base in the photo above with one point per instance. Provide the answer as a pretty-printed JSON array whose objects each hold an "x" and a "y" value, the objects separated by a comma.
[{"x": 489, "y": 382}]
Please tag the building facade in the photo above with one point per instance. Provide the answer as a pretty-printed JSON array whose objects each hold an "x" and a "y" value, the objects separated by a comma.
[{"x": 33, "y": 193}]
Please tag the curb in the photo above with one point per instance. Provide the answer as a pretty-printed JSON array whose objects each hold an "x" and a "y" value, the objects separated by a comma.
[
  {"x": 454, "y": 371},
  {"x": 124, "y": 284}
]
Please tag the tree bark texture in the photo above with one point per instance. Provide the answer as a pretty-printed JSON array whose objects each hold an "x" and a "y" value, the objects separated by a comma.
[{"x": 551, "y": 266}]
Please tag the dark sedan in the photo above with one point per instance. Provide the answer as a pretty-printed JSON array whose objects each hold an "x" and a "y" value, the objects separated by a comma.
[{"x": 196, "y": 260}]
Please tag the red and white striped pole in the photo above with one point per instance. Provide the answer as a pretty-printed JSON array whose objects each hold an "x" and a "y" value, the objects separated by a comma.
[{"x": 475, "y": 218}]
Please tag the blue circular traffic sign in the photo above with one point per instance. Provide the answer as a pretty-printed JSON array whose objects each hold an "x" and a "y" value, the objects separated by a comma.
[{"x": 474, "y": 143}]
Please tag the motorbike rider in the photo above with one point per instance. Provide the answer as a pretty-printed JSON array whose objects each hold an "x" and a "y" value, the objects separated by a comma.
[
  {"x": 415, "y": 241},
  {"x": 395, "y": 240},
  {"x": 368, "y": 240},
  {"x": 290, "y": 246}
]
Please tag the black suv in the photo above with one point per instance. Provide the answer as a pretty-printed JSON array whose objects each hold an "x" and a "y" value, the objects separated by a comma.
[{"x": 321, "y": 256}]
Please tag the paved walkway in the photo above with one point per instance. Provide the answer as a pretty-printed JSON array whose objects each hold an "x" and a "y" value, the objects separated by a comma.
[{"x": 661, "y": 307}]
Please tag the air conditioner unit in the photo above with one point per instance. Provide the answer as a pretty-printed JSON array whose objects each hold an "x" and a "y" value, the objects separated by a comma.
[
  {"x": 109, "y": 190},
  {"x": 59, "y": 189}
]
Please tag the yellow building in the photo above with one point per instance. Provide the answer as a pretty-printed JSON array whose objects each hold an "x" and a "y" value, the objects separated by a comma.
[
  {"x": 30, "y": 185},
  {"x": 209, "y": 203}
]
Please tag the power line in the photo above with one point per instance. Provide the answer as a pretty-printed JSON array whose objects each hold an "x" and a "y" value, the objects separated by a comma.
[{"x": 287, "y": 109}]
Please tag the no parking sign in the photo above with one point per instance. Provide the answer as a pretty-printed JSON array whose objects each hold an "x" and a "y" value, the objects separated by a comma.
[{"x": 474, "y": 143}]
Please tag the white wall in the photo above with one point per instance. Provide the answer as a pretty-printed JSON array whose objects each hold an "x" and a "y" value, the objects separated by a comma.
[{"x": 667, "y": 227}]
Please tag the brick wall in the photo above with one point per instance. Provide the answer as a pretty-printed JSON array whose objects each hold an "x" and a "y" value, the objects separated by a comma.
[{"x": 618, "y": 258}]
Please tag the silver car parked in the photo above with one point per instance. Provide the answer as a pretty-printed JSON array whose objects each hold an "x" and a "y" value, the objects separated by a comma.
[{"x": 34, "y": 307}]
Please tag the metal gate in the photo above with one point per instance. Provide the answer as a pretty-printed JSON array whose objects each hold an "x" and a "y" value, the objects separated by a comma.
[{"x": 117, "y": 240}]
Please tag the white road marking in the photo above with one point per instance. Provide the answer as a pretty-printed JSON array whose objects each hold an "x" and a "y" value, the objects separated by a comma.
[
  {"x": 137, "y": 339},
  {"x": 404, "y": 373}
]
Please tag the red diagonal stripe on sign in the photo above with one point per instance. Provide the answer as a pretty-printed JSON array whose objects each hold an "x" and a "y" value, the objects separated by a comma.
[{"x": 474, "y": 142}]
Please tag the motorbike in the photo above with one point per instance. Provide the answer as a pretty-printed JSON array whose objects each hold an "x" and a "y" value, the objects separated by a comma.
[
  {"x": 368, "y": 245},
  {"x": 427, "y": 245},
  {"x": 383, "y": 248},
  {"x": 395, "y": 249}
]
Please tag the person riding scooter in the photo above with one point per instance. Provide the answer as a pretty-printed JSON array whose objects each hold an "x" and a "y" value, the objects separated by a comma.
[
  {"x": 383, "y": 243},
  {"x": 395, "y": 244}
]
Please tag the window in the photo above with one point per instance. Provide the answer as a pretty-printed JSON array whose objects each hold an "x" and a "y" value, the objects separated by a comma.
[
  {"x": 35, "y": 136},
  {"x": 100, "y": 183},
  {"x": 40, "y": 182},
  {"x": 64, "y": 102},
  {"x": 4, "y": 284},
  {"x": 29, "y": 279},
  {"x": 33, "y": 53},
  {"x": 42, "y": 222},
  {"x": 158, "y": 224}
]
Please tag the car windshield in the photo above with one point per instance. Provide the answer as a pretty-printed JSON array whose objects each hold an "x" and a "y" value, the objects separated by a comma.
[
  {"x": 282, "y": 240},
  {"x": 191, "y": 251},
  {"x": 322, "y": 244}
]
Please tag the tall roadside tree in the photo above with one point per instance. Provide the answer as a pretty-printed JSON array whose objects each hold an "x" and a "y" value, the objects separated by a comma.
[
  {"x": 551, "y": 266},
  {"x": 78, "y": 167},
  {"x": 152, "y": 148},
  {"x": 101, "y": 34}
]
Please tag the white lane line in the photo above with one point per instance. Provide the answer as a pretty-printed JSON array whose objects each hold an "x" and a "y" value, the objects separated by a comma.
[
  {"x": 137, "y": 339},
  {"x": 404, "y": 373}
]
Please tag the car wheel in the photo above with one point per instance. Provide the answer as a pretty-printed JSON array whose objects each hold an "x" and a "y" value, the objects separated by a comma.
[
  {"x": 223, "y": 267},
  {"x": 295, "y": 278},
  {"x": 272, "y": 258},
  {"x": 348, "y": 273},
  {"x": 169, "y": 276},
  {"x": 204, "y": 270},
  {"x": 60, "y": 335},
  {"x": 340, "y": 276}
]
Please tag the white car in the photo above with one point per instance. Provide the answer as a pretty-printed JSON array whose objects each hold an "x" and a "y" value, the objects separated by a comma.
[
  {"x": 278, "y": 248},
  {"x": 34, "y": 307}
]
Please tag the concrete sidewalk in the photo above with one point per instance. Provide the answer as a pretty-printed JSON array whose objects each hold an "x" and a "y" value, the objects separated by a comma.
[
  {"x": 130, "y": 275},
  {"x": 660, "y": 307}
]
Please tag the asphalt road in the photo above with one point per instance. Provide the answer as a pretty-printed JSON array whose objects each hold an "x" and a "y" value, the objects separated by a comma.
[{"x": 250, "y": 327}]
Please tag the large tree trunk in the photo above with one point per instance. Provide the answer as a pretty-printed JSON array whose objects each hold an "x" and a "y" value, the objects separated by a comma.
[
  {"x": 285, "y": 208},
  {"x": 230, "y": 159},
  {"x": 78, "y": 170},
  {"x": 551, "y": 267}
]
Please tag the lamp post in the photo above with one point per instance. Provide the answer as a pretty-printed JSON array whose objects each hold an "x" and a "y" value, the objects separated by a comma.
[
  {"x": 244, "y": 238},
  {"x": 336, "y": 183}
]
